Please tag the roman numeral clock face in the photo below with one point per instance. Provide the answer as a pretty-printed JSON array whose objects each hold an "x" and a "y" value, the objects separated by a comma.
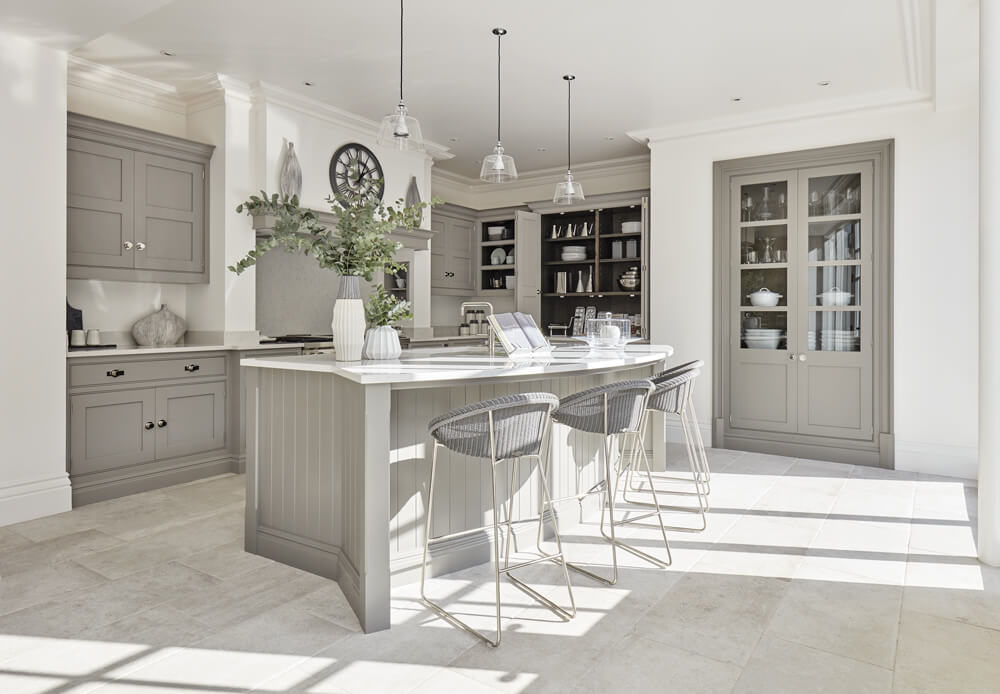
[{"x": 356, "y": 173}]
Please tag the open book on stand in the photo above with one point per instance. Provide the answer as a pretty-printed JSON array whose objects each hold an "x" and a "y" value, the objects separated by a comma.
[{"x": 518, "y": 334}]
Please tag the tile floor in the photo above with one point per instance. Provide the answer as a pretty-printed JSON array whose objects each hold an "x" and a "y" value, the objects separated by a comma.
[{"x": 811, "y": 577}]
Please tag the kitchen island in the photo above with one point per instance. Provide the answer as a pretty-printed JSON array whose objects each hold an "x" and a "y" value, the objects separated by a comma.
[{"x": 338, "y": 458}]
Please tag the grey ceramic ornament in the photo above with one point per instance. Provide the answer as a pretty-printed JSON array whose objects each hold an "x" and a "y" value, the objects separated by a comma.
[
  {"x": 412, "y": 192},
  {"x": 290, "y": 180},
  {"x": 163, "y": 327}
]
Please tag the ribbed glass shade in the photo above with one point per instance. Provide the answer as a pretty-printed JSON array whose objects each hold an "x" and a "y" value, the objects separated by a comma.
[
  {"x": 400, "y": 130},
  {"x": 498, "y": 167},
  {"x": 568, "y": 191}
]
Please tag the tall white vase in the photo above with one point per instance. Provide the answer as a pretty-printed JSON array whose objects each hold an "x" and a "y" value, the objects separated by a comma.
[{"x": 348, "y": 324}]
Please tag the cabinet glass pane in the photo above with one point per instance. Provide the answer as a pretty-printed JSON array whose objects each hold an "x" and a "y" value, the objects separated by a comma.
[
  {"x": 752, "y": 282},
  {"x": 834, "y": 331},
  {"x": 761, "y": 202},
  {"x": 835, "y": 285},
  {"x": 763, "y": 329},
  {"x": 834, "y": 241},
  {"x": 831, "y": 195},
  {"x": 765, "y": 244}
]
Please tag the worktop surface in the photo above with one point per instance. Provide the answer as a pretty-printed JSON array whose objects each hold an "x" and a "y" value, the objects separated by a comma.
[{"x": 468, "y": 364}]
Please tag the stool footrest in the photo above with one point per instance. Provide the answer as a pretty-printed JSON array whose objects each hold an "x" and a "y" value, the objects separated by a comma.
[{"x": 529, "y": 562}]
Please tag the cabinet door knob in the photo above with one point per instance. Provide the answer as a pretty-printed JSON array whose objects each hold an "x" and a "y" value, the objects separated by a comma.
[
  {"x": 161, "y": 423},
  {"x": 115, "y": 373},
  {"x": 191, "y": 368},
  {"x": 791, "y": 356},
  {"x": 127, "y": 245},
  {"x": 802, "y": 357},
  {"x": 147, "y": 426},
  {"x": 140, "y": 246}
]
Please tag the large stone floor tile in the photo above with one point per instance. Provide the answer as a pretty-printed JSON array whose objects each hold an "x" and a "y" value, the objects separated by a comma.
[
  {"x": 783, "y": 667},
  {"x": 44, "y": 583},
  {"x": 942, "y": 655}
]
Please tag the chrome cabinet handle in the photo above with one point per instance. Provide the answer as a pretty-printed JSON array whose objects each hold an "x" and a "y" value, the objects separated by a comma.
[
  {"x": 140, "y": 246},
  {"x": 115, "y": 373},
  {"x": 161, "y": 423},
  {"x": 147, "y": 426},
  {"x": 127, "y": 245},
  {"x": 191, "y": 368}
]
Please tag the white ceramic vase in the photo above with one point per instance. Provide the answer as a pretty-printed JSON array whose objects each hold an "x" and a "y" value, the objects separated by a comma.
[
  {"x": 348, "y": 324},
  {"x": 382, "y": 343}
]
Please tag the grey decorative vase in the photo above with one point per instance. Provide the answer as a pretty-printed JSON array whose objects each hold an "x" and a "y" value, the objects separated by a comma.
[
  {"x": 290, "y": 181},
  {"x": 163, "y": 327}
]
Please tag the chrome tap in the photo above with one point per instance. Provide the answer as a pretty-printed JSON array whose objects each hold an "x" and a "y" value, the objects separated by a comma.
[{"x": 489, "y": 307}]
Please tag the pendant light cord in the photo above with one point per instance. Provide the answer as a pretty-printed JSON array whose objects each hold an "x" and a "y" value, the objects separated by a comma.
[
  {"x": 569, "y": 123},
  {"x": 401, "y": 51},
  {"x": 499, "y": 36}
]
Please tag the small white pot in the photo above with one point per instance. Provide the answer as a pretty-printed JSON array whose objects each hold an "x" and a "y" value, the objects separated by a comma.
[
  {"x": 764, "y": 297},
  {"x": 348, "y": 323},
  {"x": 382, "y": 343}
]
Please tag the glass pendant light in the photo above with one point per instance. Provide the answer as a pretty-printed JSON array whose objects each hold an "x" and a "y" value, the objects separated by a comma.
[
  {"x": 568, "y": 191},
  {"x": 498, "y": 167},
  {"x": 400, "y": 130}
]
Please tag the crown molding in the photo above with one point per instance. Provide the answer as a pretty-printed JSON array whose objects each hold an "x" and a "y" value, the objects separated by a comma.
[
  {"x": 868, "y": 102},
  {"x": 916, "y": 21},
  {"x": 609, "y": 167},
  {"x": 112, "y": 81},
  {"x": 269, "y": 93}
]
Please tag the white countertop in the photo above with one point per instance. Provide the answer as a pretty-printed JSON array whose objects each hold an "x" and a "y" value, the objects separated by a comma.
[
  {"x": 464, "y": 364},
  {"x": 137, "y": 350}
]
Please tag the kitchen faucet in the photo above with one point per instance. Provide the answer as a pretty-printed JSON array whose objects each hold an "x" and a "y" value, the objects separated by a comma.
[{"x": 481, "y": 304}]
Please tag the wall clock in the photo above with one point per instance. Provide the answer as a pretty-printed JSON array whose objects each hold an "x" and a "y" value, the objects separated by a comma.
[{"x": 356, "y": 173}]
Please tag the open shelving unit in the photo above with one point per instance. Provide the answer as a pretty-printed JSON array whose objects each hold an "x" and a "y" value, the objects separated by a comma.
[{"x": 491, "y": 274}]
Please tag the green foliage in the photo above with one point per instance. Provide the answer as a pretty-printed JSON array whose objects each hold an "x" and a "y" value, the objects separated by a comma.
[
  {"x": 358, "y": 247},
  {"x": 385, "y": 309}
]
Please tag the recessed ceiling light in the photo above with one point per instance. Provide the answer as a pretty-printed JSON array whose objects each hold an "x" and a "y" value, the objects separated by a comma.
[
  {"x": 609, "y": 138},
  {"x": 453, "y": 139},
  {"x": 308, "y": 83},
  {"x": 543, "y": 149},
  {"x": 736, "y": 98},
  {"x": 824, "y": 83},
  {"x": 169, "y": 54}
]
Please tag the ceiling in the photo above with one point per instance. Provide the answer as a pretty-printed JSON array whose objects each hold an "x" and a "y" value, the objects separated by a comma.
[{"x": 639, "y": 63}]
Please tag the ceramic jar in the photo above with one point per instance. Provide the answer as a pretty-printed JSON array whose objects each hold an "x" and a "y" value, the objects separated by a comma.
[
  {"x": 382, "y": 343},
  {"x": 163, "y": 327}
]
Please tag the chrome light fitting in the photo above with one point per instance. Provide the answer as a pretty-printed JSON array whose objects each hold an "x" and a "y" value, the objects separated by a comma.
[
  {"x": 568, "y": 191},
  {"x": 498, "y": 167},
  {"x": 400, "y": 130}
]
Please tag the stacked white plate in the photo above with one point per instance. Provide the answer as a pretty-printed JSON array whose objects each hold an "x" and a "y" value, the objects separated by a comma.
[
  {"x": 763, "y": 338},
  {"x": 839, "y": 341},
  {"x": 574, "y": 253}
]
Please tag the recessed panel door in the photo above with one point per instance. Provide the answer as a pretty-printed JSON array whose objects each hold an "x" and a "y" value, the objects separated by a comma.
[
  {"x": 835, "y": 340},
  {"x": 111, "y": 430},
  {"x": 99, "y": 213},
  {"x": 763, "y": 325},
  {"x": 190, "y": 419},
  {"x": 169, "y": 220}
]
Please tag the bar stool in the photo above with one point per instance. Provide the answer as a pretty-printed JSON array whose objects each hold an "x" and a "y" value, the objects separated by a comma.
[
  {"x": 615, "y": 411},
  {"x": 500, "y": 430},
  {"x": 673, "y": 396}
]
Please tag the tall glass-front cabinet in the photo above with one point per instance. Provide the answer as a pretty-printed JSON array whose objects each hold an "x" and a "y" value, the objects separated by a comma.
[{"x": 805, "y": 285}]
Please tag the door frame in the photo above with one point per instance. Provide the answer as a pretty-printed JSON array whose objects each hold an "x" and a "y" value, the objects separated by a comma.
[{"x": 880, "y": 450}]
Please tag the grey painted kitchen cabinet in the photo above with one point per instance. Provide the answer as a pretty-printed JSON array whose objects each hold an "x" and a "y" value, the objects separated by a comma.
[
  {"x": 137, "y": 204},
  {"x": 190, "y": 419},
  {"x": 451, "y": 250},
  {"x": 112, "y": 430}
]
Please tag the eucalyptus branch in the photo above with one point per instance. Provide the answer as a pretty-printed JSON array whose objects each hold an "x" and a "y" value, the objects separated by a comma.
[{"x": 385, "y": 309}]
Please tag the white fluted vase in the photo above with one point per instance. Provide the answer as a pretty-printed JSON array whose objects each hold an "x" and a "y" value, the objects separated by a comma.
[
  {"x": 382, "y": 343},
  {"x": 348, "y": 324}
]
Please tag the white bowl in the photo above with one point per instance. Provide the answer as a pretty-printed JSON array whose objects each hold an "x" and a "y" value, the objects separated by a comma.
[
  {"x": 495, "y": 232},
  {"x": 762, "y": 342},
  {"x": 764, "y": 297}
]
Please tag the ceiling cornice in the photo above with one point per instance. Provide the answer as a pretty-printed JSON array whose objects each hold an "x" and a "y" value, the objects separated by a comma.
[
  {"x": 124, "y": 85},
  {"x": 609, "y": 167},
  {"x": 917, "y": 27},
  {"x": 879, "y": 100}
]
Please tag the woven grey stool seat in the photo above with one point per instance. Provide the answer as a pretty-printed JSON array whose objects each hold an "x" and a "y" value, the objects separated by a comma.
[
  {"x": 615, "y": 412},
  {"x": 672, "y": 396},
  {"x": 501, "y": 430}
]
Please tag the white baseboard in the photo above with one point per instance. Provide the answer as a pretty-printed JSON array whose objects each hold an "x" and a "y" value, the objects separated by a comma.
[
  {"x": 29, "y": 500},
  {"x": 938, "y": 459},
  {"x": 675, "y": 434}
]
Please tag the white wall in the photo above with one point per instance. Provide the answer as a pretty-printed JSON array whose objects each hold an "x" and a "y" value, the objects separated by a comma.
[
  {"x": 935, "y": 262},
  {"x": 33, "y": 480}
]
